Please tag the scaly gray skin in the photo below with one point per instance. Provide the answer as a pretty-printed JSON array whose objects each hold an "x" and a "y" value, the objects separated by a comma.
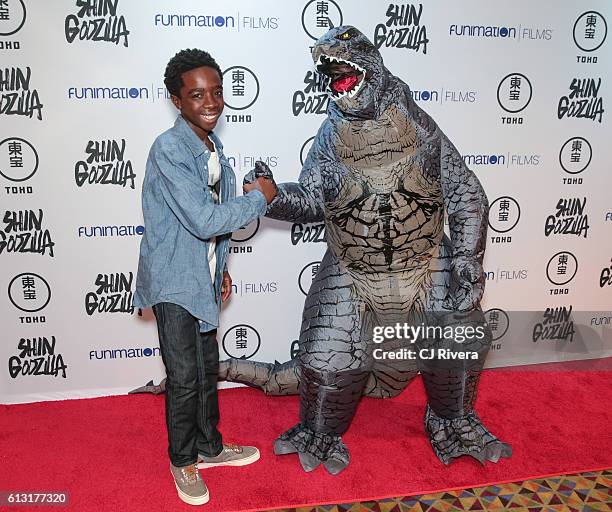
[{"x": 381, "y": 175}]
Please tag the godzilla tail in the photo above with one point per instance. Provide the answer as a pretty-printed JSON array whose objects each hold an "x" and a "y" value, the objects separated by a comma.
[{"x": 272, "y": 378}]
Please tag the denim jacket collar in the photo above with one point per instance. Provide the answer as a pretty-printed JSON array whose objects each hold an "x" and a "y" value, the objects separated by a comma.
[{"x": 194, "y": 143}]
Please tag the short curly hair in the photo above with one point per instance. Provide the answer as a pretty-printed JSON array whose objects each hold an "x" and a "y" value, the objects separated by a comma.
[{"x": 184, "y": 61}]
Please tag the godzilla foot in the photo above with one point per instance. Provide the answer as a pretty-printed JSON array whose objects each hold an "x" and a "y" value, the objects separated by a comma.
[
  {"x": 466, "y": 435},
  {"x": 313, "y": 448}
]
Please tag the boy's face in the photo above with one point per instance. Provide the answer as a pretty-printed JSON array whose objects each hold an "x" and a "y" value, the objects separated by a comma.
[{"x": 201, "y": 99}]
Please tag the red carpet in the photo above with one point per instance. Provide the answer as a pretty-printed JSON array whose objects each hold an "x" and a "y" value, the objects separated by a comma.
[{"x": 110, "y": 453}]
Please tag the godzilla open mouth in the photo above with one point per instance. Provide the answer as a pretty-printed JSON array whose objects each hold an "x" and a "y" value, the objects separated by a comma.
[{"x": 345, "y": 77}]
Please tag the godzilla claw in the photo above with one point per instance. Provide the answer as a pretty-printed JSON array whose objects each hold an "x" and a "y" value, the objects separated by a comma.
[
  {"x": 313, "y": 449},
  {"x": 465, "y": 435},
  {"x": 261, "y": 169}
]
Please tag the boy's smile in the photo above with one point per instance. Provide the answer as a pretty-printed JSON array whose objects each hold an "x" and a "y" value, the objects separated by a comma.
[{"x": 201, "y": 100}]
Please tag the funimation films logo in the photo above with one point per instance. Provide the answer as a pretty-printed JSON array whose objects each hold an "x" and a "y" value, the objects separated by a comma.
[
  {"x": 242, "y": 87},
  {"x": 96, "y": 20},
  {"x": 307, "y": 274},
  {"x": 29, "y": 292},
  {"x": 402, "y": 29},
  {"x": 561, "y": 268},
  {"x": 590, "y": 31},
  {"x": 18, "y": 159},
  {"x": 514, "y": 93},
  {"x": 241, "y": 341},
  {"x": 12, "y": 16},
  {"x": 504, "y": 214},
  {"x": 575, "y": 155},
  {"x": 319, "y": 16}
]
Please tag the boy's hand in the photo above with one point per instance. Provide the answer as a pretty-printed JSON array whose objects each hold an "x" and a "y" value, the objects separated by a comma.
[
  {"x": 266, "y": 186},
  {"x": 226, "y": 286}
]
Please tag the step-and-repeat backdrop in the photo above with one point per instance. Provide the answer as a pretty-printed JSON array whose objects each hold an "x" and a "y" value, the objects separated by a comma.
[{"x": 522, "y": 88}]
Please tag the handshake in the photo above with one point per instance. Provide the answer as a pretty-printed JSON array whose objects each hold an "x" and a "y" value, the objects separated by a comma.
[{"x": 260, "y": 179}]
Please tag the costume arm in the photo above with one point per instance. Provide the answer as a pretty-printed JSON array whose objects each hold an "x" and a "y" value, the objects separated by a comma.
[
  {"x": 296, "y": 202},
  {"x": 191, "y": 202},
  {"x": 467, "y": 208}
]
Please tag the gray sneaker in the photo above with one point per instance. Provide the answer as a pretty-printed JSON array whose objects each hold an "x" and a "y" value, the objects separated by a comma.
[
  {"x": 231, "y": 455},
  {"x": 191, "y": 489}
]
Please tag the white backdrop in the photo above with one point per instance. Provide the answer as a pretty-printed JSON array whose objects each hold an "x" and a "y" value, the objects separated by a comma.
[{"x": 522, "y": 88}]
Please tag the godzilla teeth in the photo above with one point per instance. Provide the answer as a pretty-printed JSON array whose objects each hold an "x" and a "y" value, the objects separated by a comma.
[{"x": 348, "y": 94}]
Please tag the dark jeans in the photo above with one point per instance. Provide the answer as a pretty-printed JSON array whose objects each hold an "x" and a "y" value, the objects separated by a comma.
[{"x": 192, "y": 366}]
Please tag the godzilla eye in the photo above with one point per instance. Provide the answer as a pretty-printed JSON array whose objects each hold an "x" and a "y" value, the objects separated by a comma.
[{"x": 345, "y": 36}]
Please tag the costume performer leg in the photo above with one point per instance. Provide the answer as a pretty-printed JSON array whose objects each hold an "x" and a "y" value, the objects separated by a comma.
[
  {"x": 334, "y": 364},
  {"x": 453, "y": 426}
]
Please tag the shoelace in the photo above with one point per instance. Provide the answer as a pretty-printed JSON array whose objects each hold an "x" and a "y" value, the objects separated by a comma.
[
  {"x": 190, "y": 474},
  {"x": 233, "y": 447}
]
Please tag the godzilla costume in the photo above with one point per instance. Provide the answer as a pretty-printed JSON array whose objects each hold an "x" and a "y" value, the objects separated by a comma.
[{"x": 381, "y": 175}]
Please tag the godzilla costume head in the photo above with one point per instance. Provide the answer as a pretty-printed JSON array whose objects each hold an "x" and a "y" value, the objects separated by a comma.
[{"x": 354, "y": 66}]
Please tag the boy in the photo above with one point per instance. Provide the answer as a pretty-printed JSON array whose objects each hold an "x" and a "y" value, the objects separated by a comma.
[{"x": 190, "y": 211}]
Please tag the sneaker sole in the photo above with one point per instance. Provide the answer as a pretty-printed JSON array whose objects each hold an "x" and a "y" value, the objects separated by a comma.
[
  {"x": 238, "y": 462},
  {"x": 192, "y": 500}
]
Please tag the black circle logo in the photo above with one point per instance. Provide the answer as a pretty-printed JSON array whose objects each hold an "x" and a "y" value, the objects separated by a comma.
[
  {"x": 504, "y": 214},
  {"x": 305, "y": 149},
  {"x": 575, "y": 155},
  {"x": 242, "y": 90},
  {"x": 498, "y": 321},
  {"x": 561, "y": 268},
  {"x": 13, "y": 17},
  {"x": 514, "y": 92},
  {"x": 319, "y": 16},
  {"x": 590, "y": 31},
  {"x": 18, "y": 159},
  {"x": 246, "y": 232},
  {"x": 306, "y": 276},
  {"x": 241, "y": 341},
  {"x": 29, "y": 292}
]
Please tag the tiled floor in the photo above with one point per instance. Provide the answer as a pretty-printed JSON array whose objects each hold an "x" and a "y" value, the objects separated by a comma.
[{"x": 582, "y": 492}]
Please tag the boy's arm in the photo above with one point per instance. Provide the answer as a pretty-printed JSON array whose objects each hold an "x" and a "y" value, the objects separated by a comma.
[{"x": 192, "y": 204}]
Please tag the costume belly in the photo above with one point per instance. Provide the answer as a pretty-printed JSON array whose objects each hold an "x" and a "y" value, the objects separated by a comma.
[{"x": 384, "y": 225}]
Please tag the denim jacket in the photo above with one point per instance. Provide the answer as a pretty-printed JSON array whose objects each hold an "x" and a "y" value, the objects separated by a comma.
[{"x": 180, "y": 217}]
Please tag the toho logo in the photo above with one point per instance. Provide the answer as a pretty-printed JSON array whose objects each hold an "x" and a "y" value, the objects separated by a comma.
[
  {"x": 514, "y": 93},
  {"x": 319, "y": 16},
  {"x": 575, "y": 155},
  {"x": 12, "y": 16},
  {"x": 18, "y": 159},
  {"x": 590, "y": 31},
  {"x": 243, "y": 89},
  {"x": 241, "y": 341}
]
